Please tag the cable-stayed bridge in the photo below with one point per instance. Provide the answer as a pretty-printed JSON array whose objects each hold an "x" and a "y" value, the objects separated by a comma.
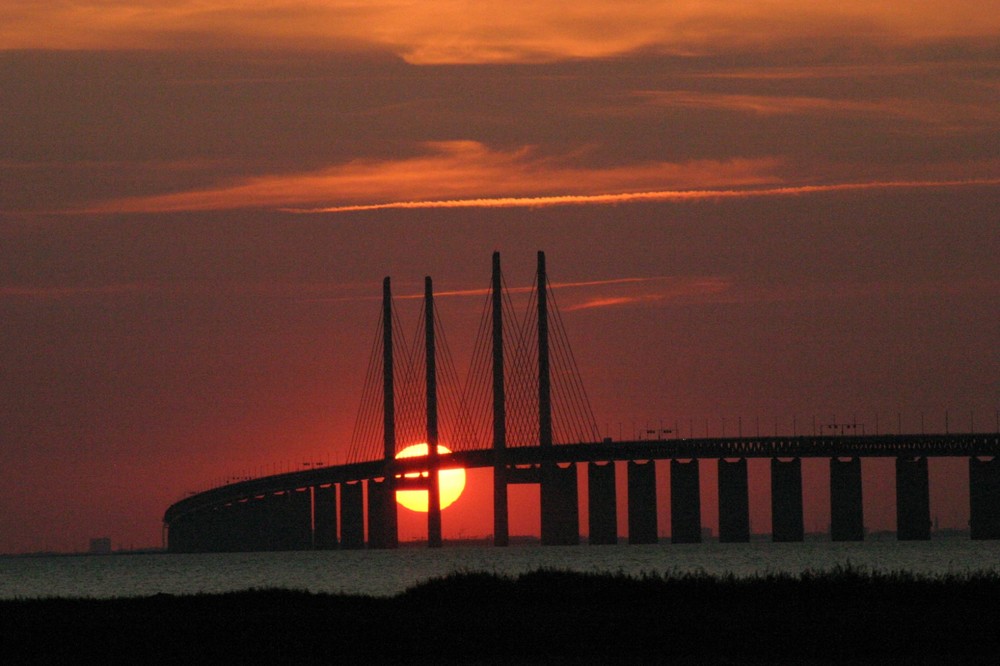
[{"x": 523, "y": 412}]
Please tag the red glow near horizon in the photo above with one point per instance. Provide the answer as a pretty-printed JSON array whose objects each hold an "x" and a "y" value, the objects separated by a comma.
[{"x": 777, "y": 209}]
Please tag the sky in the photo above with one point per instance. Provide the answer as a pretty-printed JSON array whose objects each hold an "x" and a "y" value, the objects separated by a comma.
[{"x": 768, "y": 211}]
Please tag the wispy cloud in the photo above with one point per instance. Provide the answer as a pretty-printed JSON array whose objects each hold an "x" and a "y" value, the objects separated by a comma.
[
  {"x": 469, "y": 174},
  {"x": 667, "y": 289},
  {"x": 921, "y": 110},
  {"x": 440, "y": 31},
  {"x": 451, "y": 172},
  {"x": 658, "y": 195},
  {"x": 555, "y": 285}
]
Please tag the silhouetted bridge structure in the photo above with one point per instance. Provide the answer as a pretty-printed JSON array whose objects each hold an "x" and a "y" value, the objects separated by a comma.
[{"x": 353, "y": 505}]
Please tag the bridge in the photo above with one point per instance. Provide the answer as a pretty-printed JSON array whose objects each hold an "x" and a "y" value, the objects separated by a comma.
[{"x": 353, "y": 505}]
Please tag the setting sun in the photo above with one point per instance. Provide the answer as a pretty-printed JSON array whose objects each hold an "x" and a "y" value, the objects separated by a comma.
[{"x": 452, "y": 481}]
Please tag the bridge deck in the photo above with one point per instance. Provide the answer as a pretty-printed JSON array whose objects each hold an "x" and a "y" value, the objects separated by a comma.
[{"x": 803, "y": 446}]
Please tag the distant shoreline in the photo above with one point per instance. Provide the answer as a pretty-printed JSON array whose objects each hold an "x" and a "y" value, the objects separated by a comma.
[{"x": 846, "y": 615}]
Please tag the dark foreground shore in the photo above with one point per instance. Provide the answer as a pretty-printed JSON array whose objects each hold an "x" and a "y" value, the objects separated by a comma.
[{"x": 843, "y": 616}]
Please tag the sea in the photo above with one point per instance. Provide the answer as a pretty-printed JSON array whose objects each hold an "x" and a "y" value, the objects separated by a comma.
[{"x": 389, "y": 572}]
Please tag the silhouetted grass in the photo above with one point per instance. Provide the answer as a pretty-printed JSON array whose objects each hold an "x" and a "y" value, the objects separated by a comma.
[{"x": 846, "y": 615}]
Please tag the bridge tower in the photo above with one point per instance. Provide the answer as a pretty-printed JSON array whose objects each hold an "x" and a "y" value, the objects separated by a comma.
[
  {"x": 501, "y": 536},
  {"x": 560, "y": 507},
  {"x": 382, "y": 516},
  {"x": 433, "y": 464},
  {"x": 559, "y": 502}
]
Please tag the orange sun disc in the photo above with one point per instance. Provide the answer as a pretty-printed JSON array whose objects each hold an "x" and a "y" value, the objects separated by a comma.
[{"x": 450, "y": 481}]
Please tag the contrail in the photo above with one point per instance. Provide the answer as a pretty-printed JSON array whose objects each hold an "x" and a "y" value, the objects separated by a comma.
[
  {"x": 522, "y": 290},
  {"x": 634, "y": 197}
]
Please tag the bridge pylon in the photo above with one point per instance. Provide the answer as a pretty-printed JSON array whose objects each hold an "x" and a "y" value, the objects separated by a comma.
[
  {"x": 501, "y": 535},
  {"x": 433, "y": 464},
  {"x": 382, "y": 513},
  {"x": 559, "y": 502}
]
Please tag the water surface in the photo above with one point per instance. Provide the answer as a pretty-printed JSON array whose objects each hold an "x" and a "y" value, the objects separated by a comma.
[{"x": 385, "y": 572}]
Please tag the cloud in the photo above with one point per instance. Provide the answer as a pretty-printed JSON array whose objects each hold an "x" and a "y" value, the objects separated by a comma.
[
  {"x": 659, "y": 195},
  {"x": 586, "y": 285},
  {"x": 468, "y": 174},
  {"x": 644, "y": 291},
  {"x": 451, "y": 31},
  {"x": 921, "y": 110},
  {"x": 690, "y": 290},
  {"x": 456, "y": 171}
]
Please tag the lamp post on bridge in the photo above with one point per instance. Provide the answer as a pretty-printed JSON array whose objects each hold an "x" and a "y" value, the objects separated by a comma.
[{"x": 840, "y": 428}]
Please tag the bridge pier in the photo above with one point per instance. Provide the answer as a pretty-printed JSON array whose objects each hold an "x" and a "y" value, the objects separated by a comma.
[
  {"x": 984, "y": 498},
  {"x": 913, "y": 506},
  {"x": 382, "y": 531},
  {"x": 221, "y": 524},
  {"x": 847, "y": 522},
  {"x": 786, "y": 500},
  {"x": 299, "y": 535},
  {"x": 296, "y": 520},
  {"x": 325, "y": 517},
  {"x": 273, "y": 505},
  {"x": 352, "y": 515},
  {"x": 602, "y": 504},
  {"x": 240, "y": 526},
  {"x": 685, "y": 502},
  {"x": 734, "y": 501},
  {"x": 264, "y": 509},
  {"x": 501, "y": 529},
  {"x": 560, "y": 506},
  {"x": 288, "y": 515},
  {"x": 642, "y": 523},
  {"x": 209, "y": 526},
  {"x": 255, "y": 517}
]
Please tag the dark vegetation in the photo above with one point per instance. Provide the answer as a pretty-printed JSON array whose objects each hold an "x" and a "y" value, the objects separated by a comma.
[{"x": 841, "y": 616}]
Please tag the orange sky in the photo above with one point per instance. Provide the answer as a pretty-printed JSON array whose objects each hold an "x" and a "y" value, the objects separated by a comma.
[
  {"x": 461, "y": 32},
  {"x": 762, "y": 209}
]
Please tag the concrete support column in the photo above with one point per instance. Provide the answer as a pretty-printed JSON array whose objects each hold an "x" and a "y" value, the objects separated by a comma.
[
  {"x": 685, "y": 502},
  {"x": 984, "y": 498},
  {"x": 325, "y": 517},
  {"x": 786, "y": 500},
  {"x": 179, "y": 535},
  {"x": 274, "y": 507},
  {"x": 642, "y": 525},
  {"x": 257, "y": 525},
  {"x": 847, "y": 521},
  {"x": 380, "y": 494},
  {"x": 214, "y": 529},
  {"x": 242, "y": 528},
  {"x": 295, "y": 528},
  {"x": 734, "y": 501},
  {"x": 226, "y": 528},
  {"x": 271, "y": 534},
  {"x": 352, "y": 515},
  {"x": 560, "y": 506},
  {"x": 222, "y": 523},
  {"x": 602, "y": 503},
  {"x": 913, "y": 502},
  {"x": 501, "y": 529},
  {"x": 198, "y": 531}
]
